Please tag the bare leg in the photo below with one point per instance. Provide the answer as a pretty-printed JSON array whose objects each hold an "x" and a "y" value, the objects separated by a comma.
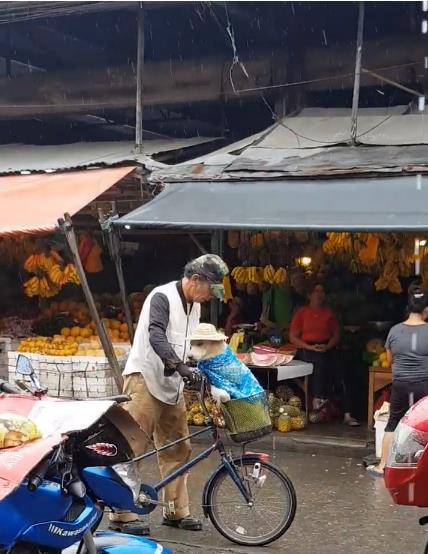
[{"x": 386, "y": 444}]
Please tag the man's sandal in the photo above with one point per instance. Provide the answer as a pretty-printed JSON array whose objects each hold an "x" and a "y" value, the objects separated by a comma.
[{"x": 186, "y": 523}]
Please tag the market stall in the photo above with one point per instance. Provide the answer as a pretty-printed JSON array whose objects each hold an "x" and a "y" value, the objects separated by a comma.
[
  {"x": 76, "y": 350},
  {"x": 364, "y": 237}
]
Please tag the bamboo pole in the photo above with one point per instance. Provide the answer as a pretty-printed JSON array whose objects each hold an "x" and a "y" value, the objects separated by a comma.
[{"x": 66, "y": 227}]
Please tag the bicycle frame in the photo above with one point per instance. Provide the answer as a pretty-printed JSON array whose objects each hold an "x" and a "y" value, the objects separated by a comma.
[{"x": 216, "y": 446}]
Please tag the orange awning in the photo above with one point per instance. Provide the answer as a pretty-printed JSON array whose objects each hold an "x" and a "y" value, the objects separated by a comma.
[{"x": 33, "y": 203}]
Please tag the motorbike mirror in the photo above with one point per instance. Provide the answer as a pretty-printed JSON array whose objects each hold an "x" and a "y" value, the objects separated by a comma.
[{"x": 23, "y": 366}]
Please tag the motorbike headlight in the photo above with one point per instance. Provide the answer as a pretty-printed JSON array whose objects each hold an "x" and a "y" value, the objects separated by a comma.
[
  {"x": 129, "y": 474},
  {"x": 408, "y": 445}
]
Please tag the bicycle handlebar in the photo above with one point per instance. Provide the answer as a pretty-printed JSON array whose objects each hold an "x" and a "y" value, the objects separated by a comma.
[{"x": 204, "y": 387}]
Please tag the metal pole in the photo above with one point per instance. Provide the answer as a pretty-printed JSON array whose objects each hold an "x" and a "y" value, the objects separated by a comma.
[
  {"x": 140, "y": 66},
  {"x": 113, "y": 243},
  {"x": 357, "y": 74},
  {"x": 417, "y": 257},
  {"x": 114, "y": 247},
  {"x": 66, "y": 227},
  {"x": 391, "y": 82},
  {"x": 8, "y": 58},
  {"x": 215, "y": 247},
  {"x": 198, "y": 243}
]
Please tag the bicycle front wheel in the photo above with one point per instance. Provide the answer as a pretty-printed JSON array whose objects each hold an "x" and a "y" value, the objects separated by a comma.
[{"x": 268, "y": 514}]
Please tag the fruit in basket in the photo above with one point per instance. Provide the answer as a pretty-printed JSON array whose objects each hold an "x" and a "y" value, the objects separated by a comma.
[
  {"x": 189, "y": 417},
  {"x": 298, "y": 423},
  {"x": 283, "y": 423},
  {"x": 292, "y": 411},
  {"x": 195, "y": 408},
  {"x": 295, "y": 401},
  {"x": 198, "y": 419}
]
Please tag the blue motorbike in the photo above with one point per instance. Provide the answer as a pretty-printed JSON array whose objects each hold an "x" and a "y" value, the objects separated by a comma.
[{"x": 58, "y": 505}]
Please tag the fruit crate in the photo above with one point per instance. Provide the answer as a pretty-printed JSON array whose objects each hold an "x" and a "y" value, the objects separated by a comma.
[{"x": 70, "y": 377}]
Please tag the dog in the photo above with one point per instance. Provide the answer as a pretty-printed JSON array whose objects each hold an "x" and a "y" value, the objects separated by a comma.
[{"x": 229, "y": 377}]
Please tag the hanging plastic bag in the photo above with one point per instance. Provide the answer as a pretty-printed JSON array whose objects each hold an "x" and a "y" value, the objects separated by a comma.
[{"x": 16, "y": 430}]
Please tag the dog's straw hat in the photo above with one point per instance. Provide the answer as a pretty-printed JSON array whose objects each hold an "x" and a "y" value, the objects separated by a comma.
[{"x": 206, "y": 331}]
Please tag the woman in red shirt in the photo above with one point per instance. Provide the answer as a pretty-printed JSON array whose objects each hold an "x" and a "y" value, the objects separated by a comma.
[{"x": 315, "y": 331}]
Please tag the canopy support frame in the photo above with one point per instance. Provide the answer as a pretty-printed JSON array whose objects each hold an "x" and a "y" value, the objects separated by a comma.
[
  {"x": 112, "y": 235},
  {"x": 139, "y": 106},
  {"x": 67, "y": 228}
]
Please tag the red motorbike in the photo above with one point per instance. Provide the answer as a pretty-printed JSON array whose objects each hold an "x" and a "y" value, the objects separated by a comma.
[{"x": 406, "y": 473}]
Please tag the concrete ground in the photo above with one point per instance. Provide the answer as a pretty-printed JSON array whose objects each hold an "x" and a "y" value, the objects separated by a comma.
[{"x": 340, "y": 510}]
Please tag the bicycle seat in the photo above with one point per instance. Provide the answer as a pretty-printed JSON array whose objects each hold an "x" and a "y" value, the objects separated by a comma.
[{"x": 119, "y": 398}]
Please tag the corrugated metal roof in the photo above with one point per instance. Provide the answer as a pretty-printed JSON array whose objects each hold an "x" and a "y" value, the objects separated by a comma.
[
  {"x": 16, "y": 158},
  {"x": 317, "y": 143}
]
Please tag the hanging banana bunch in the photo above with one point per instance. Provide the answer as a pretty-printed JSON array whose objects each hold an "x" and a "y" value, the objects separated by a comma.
[
  {"x": 269, "y": 275},
  {"x": 280, "y": 277},
  {"x": 259, "y": 275},
  {"x": 369, "y": 253},
  {"x": 337, "y": 243},
  {"x": 240, "y": 274}
]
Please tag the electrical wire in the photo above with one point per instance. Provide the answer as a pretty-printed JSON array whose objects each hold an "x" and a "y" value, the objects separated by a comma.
[
  {"x": 329, "y": 78},
  {"x": 18, "y": 12},
  {"x": 280, "y": 121}
]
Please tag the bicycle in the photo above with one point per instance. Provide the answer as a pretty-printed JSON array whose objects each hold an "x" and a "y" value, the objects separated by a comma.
[{"x": 237, "y": 483}]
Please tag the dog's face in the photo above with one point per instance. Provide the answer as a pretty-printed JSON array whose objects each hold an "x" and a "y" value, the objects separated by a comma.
[{"x": 205, "y": 349}]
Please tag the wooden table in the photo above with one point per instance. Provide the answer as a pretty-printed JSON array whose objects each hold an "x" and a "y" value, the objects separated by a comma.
[{"x": 379, "y": 378}]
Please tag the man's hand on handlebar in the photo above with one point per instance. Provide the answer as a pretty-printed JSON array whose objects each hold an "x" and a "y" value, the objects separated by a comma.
[{"x": 192, "y": 377}]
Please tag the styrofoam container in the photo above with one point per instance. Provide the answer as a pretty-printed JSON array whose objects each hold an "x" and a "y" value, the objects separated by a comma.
[{"x": 379, "y": 426}]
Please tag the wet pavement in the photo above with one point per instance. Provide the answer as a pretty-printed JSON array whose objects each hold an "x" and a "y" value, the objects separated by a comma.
[{"x": 340, "y": 510}]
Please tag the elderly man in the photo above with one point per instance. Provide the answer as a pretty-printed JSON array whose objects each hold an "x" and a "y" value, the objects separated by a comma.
[{"x": 154, "y": 380}]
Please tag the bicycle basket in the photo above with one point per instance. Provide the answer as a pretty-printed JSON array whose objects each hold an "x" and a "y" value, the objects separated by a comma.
[{"x": 247, "y": 419}]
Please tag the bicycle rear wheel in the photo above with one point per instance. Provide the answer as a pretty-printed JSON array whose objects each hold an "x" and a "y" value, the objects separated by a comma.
[{"x": 269, "y": 514}]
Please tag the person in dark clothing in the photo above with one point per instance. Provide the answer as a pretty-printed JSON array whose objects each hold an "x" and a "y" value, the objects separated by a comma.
[{"x": 407, "y": 354}]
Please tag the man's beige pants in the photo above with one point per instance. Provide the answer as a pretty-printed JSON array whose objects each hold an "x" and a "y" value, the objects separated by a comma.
[{"x": 162, "y": 423}]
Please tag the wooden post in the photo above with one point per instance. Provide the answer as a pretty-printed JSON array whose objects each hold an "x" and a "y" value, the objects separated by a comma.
[
  {"x": 66, "y": 227},
  {"x": 357, "y": 74},
  {"x": 140, "y": 65}
]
